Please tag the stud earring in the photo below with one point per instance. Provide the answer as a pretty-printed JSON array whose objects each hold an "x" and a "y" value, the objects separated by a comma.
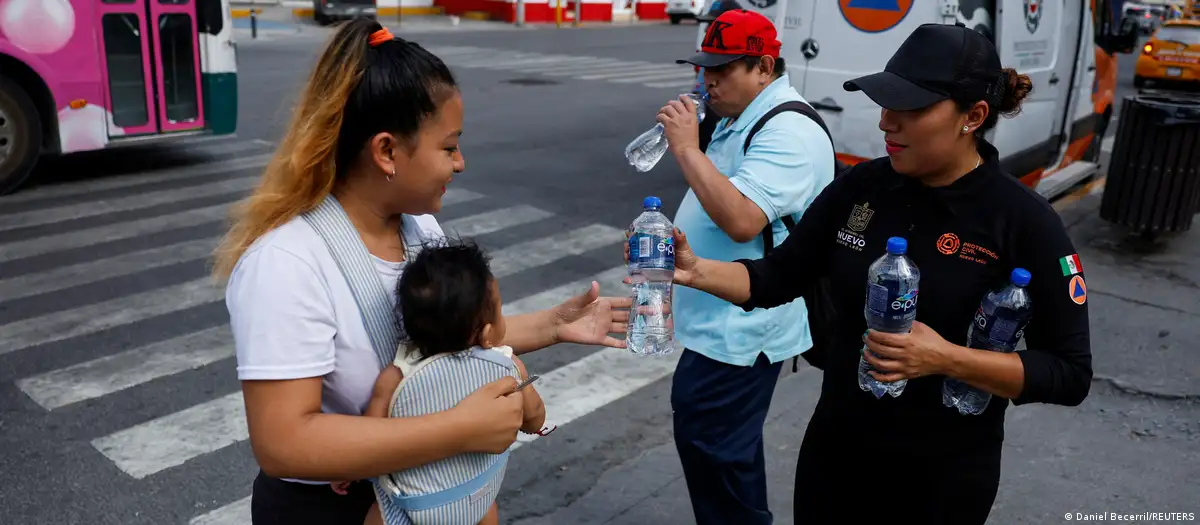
[{"x": 966, "y": 129}]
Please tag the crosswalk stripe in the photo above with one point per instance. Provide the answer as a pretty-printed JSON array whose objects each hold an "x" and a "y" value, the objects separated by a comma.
[
  {"x": 140, "y": 227},
  {"x": 128, "y": 203},
  {"x": 584, "y": 65},
  {"x": 96, "y": 317},
  {"x": 98, "y": 269},
  {"x": 494, "y": 221},
  {"x": 544, "y": 60},
  {"x": 623, "y": 72},
  {"x": 678, "y": 84},
  {"x": 172, "y": 440},
  {"x": 586, "y": 385},
  {"x": 543, "y": 251},
  {"x": 109, "y": 374},
  {"x": 134, "y": 179},
  {"x": 680, "y": 74},
  {"x": 236, "y": 513},
  {"x": 111, "y": 232},
  {"x": 494, "y": 58}
]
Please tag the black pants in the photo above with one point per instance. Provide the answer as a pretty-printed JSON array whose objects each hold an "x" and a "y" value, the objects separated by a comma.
[
  {"x": 906, "y": 484},
  {"x": 719, "y": 411},
  {"x": 278, "y": 502}
]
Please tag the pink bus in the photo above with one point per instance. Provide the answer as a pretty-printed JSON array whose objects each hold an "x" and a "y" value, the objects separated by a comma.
[{"x": 80, "y": 75}]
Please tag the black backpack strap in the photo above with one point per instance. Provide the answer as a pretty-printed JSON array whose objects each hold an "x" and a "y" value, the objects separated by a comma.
[
  {"x": 816, "y": 296},
  {"x": 792, "y": 105}
]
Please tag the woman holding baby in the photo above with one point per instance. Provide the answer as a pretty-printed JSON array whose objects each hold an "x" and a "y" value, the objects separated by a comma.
[{"x": 373, "y": 143}]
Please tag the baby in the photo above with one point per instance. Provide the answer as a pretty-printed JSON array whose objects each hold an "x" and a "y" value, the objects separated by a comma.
[{"x": 448, "y": 301}]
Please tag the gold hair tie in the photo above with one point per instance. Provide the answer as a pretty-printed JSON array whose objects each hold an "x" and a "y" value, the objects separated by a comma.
[{"x": 381, "y": 36}]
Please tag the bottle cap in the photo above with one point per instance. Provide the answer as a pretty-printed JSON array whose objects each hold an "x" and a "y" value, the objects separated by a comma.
[
  {"x": 651, "y": 203},
  {"x": 897, "y": 245},
  {"x": 1020, "y": 277}
]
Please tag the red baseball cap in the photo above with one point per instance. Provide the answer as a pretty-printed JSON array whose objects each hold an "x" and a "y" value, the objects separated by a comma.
[{"x": 735, "y": 34}]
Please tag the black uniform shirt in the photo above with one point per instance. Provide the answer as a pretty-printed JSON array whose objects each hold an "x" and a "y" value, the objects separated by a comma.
[{"x": 965, "y": 238}]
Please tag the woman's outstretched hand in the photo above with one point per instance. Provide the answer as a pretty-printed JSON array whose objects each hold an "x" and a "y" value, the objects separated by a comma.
[
  {"x": 494, "y": 413},
  {"x": 588, "y": 319},
  {"x": 685, "y": 259}
]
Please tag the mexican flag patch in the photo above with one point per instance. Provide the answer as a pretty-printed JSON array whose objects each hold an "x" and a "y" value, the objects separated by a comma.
[{"x": 1070, "y": 264}]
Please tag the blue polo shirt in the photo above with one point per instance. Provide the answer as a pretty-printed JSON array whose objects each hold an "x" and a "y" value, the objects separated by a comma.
[{"x": 789, "y": 162}]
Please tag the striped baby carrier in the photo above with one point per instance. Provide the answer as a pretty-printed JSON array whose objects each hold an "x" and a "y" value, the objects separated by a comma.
[
  {"x": 453, "y": 491},
  {"x": 456, "y": 490}
]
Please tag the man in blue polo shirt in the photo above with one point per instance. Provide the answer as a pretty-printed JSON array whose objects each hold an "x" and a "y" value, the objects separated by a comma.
[{"x": 726, "y": 376}]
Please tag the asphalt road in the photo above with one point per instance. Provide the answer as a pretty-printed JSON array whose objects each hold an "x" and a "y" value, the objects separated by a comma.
[{"x": 118, "y": 398}]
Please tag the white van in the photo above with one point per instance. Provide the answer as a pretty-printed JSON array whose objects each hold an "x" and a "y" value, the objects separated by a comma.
[{"x": 1067, "y": 47}]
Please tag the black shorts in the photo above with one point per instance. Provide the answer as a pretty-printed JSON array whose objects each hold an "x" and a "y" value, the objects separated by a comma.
[{"x": 279, "y": 502}]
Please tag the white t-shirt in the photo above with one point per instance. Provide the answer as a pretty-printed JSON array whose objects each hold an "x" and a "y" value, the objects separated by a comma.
[{"x": 293, "y": 316}]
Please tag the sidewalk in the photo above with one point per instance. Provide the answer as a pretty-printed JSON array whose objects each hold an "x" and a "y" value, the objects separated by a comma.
[{"x": 1132, "y": 447}]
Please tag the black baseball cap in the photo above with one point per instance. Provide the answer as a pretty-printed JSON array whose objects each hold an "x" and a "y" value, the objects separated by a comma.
[{"x": 936, "y": 62}]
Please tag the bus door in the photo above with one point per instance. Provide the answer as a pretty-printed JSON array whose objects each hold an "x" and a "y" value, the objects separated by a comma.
[{"x": 152, "y": 63}]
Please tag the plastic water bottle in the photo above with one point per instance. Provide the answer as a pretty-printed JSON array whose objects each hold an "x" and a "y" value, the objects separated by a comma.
[
  {"x": 646, "y": 150},
  {"x": 892, "y": 283},
  {"x": 651, "y": 272},
  {"x": 999, "y": 325}
]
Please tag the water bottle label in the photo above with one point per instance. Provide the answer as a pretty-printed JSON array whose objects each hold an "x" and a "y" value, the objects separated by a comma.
[
  {"x": 652, "y": 251},
  {"x": 1003, "y": 329},
  {"x": 887, "y": 303}
]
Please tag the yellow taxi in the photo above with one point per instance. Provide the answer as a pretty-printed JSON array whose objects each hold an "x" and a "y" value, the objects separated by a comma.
[{"x": 1171, "y": 55}]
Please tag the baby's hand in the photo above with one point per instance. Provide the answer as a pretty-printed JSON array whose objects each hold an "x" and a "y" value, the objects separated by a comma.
[{"x": 341, "y": 487}]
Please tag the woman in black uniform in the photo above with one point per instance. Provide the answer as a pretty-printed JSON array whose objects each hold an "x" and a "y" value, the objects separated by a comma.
[{"x": 968, "y": 225}]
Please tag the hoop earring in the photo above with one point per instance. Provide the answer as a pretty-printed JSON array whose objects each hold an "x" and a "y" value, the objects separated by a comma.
[{"x": 391, "y": 175}]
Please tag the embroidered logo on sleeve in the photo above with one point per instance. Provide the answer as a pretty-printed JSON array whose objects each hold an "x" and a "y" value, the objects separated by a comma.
[
  {"x": 1070, "y": 265},
  {"x": 1078, "y": 290}
]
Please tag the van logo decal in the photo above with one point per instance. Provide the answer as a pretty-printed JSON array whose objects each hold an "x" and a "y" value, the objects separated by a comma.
[
  {"x": 810, "y": 48},
  {"x": 874, "y": 16},
  {"x": 1033, "y": 15}
]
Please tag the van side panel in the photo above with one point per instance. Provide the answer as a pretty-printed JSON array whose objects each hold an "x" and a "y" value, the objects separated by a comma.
[
  {"x": 857, "y": 37},
  {"x": 1032, "y": 43}
]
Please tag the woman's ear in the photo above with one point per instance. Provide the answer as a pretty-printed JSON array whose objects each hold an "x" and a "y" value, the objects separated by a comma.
[
  {"x": 383, "y": 150},
  {"x": 976, "y": 115}
]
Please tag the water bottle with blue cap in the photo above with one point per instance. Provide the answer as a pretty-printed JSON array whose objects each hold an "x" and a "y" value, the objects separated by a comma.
[
  {"x": 892, "y": 285},
  {"x": 646, "y": 150},
  {"x": 651, "y": 274},
  {"x": 998, "y": 326}
]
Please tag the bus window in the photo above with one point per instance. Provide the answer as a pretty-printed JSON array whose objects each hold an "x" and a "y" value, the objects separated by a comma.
[
  {"x": 126, "y": 81},
  {"x": 179, "y": 67},
  {"x": 209, "y": 16}
]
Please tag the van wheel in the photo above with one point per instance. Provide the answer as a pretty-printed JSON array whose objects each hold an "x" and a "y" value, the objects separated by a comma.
[
  {"x": 675, "y": 19},
  {"x": 20, "y": 136}
]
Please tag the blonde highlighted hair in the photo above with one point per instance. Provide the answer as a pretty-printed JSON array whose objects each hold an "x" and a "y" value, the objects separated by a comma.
[{"x": 359, "y": 87}]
